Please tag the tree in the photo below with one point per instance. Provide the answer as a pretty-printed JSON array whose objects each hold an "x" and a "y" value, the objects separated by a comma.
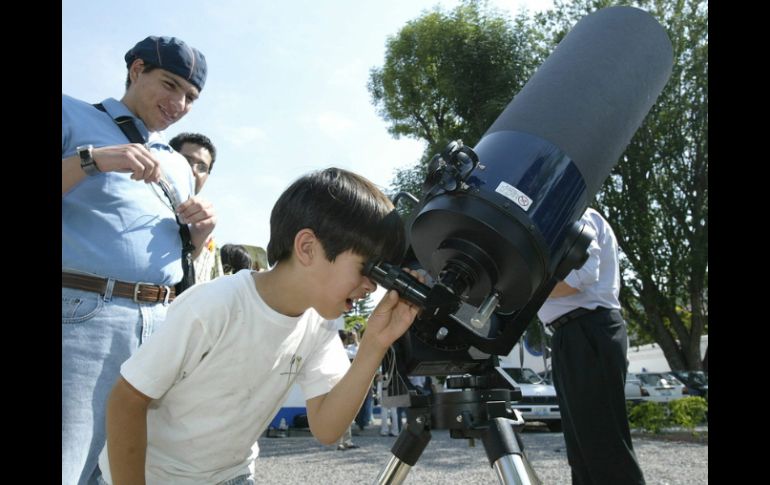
[
  {"x": 359, "y": 314},
  {"x": 656, "y": 198},
  {"x": 448, "y": 76},
  {"x": 363, "y": 306}
]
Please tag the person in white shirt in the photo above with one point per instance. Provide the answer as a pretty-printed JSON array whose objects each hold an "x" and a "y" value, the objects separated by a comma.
[{"x": 589, "y": 348}]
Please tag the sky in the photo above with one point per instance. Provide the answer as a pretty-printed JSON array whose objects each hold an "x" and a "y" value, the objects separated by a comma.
[{"x": 285, "y": 93}]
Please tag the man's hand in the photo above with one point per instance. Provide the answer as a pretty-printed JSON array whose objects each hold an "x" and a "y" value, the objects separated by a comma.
[
  {"x": 133, "y": 157},
  {"x": 199, "y": 213}
]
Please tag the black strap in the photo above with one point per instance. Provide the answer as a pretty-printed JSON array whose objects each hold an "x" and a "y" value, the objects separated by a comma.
[{"x": 128, "y": 127}]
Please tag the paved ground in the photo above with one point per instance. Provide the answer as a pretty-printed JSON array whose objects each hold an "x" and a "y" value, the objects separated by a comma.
[{"x": 299, "y": 459}]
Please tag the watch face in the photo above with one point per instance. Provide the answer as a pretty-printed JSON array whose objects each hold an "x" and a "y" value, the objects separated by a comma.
[{"x": 83, "y": 148}]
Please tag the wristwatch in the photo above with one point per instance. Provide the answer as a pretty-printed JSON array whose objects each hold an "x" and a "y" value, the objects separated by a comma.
[{"x": 87, "y": 162}]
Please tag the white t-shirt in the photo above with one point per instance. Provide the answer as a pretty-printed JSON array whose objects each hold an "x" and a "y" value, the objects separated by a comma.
[{"x": 218, "y": 371}]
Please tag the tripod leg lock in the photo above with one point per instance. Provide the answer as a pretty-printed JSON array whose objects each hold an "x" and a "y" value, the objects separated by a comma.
[
  {"x": 500, "y": 440},
  {"x": 411, "y": 443}
]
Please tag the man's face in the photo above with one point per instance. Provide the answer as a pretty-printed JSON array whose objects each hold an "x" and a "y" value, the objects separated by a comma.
[
  {"x": 199, "y": 159},
  {"x": 159, "y": 98}
]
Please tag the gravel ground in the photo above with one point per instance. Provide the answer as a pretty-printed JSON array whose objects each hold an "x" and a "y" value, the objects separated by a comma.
[{"x": 302, "y": 460}]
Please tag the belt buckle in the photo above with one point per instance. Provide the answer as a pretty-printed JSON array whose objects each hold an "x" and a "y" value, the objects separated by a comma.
[
  {"x": 168, "y": 294},
  {"x": 136, "y": 289}
]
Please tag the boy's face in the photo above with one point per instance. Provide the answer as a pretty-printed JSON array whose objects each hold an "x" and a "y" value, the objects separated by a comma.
[{"x": 340, "y": 284}]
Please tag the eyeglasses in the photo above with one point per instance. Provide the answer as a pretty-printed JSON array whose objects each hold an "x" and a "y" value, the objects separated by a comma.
[{"x": 199, "y": 167}]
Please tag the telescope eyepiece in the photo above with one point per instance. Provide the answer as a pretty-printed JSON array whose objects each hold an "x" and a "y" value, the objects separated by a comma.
[{"x": 391, "y": 277}]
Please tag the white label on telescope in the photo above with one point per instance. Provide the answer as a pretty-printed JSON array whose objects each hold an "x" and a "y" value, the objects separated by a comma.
[{"x": 517, "y": 196}]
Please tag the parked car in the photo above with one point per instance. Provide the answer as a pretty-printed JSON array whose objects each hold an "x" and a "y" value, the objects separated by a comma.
[
  {"x": 660, "y": 386},
  {"x": 538, "y": 398},
  {"x": 697, "y": 382},
  {"x": 634, "y": 390}
]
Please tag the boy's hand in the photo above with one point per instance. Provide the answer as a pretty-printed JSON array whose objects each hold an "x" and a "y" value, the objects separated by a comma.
[{"x": 391, "y": 317}]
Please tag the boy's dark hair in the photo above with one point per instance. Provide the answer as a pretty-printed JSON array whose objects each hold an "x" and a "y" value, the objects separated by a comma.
[
  {"x": 198, "y": 139},
  {"x": 235, "y": 258},
  {"x": 344, "y": 210}
]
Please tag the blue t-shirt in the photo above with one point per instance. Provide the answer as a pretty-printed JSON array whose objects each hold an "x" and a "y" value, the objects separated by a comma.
[{"x": 113, "y": 226}]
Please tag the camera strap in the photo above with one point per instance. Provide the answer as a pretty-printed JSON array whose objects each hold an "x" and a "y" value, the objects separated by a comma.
[{"x": 128, "y": 127}]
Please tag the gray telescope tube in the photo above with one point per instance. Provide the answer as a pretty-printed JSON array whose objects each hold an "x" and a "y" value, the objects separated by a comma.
[{"x": 592, "y": 93}]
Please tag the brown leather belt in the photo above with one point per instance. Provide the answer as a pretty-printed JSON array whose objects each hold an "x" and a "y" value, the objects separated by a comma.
[{"x": 136, "y": 291}]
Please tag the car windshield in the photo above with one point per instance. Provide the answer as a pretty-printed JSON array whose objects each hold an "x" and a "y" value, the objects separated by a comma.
[
  {"x": 672, "y": 379},
  {"x": 526, "y": 376},
  {"x": 658, "y": 379},
  {"x": 696, "y": 377}
]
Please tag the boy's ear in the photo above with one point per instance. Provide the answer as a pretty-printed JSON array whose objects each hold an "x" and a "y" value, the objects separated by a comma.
[
  {"x": 305, "y": 246},
  {"x": 135, "y": 69}
]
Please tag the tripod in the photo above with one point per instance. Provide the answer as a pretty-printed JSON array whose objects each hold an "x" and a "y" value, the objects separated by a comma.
[{"x": 475, "y": 413}]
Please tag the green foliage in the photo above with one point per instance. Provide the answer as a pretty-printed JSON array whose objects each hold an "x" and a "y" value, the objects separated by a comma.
[
  {"x": 363, "y": 307},
  {"x": 408, "y": 180},
  {"x": 359, "y": 314},
  {"x": 650, "y": 416},
  {"x": 352, "y": 320},
  {"x": 688, "y": 412},
  {"x": 448, "y": 75}
]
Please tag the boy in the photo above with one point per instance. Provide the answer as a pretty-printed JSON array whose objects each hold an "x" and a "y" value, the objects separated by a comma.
[{"x": 191, "y": 403}]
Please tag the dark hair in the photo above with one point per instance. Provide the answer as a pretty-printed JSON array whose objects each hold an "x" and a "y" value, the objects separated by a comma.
[
  {"x": 235, "y": 257},
  {"x": 344, "y": 210},
  {"x": 198, "y": 139},
  {"x": 147, "y": 68}
]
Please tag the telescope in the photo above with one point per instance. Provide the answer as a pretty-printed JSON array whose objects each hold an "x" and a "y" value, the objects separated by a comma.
[{"x": 497, "y": 225}]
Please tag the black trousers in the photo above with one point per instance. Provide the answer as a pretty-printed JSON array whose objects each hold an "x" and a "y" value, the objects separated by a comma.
[{"x": 589, "y": 371}]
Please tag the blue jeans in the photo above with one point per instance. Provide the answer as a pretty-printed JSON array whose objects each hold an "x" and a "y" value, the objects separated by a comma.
[{"x": 98, "y": 334}]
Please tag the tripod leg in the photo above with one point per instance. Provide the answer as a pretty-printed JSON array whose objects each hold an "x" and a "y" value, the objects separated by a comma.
[
  {"x": 506, "y": 454},
  {"x": 406, "y": 451}
]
